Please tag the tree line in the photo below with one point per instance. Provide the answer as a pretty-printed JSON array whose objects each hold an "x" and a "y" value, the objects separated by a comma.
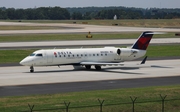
[
  {"x": 123, "y": 13},
  {"x": 48, "y": 13},
  {"x": 87, "y": 13}
]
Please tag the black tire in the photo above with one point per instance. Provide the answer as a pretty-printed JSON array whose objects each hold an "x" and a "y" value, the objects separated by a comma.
[
  {"x": 98, "y": 68},
  {"x": 88, "y": 67},
  {"x": 31, "y": 71}
]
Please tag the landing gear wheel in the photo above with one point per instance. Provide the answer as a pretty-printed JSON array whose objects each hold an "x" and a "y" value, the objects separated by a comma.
[
  {"x": 31, "y": 69},
  {"x": 98, "y": 68},
  {"x": 88, "y": 67}
]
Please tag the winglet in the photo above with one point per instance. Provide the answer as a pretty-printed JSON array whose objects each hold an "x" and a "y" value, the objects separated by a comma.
[{"x": 144, "y": 60}]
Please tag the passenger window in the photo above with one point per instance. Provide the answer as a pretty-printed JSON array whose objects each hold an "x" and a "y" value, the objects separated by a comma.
[
  {"x": 101, "y": 54},
  {"x": 39, "y": 55},
  {"x": 93, "y": 54},
  {"x": 97, "y": 54}
]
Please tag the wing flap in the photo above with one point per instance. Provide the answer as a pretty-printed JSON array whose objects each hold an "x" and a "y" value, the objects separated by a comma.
[{"x": 122, "y": 65}]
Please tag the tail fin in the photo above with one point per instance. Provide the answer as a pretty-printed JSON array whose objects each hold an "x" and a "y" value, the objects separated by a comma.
[{"x": 143, "y": 41}]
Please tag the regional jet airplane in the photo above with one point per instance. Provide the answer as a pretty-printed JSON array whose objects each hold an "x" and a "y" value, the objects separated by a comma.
[{"x": 88, "y": 57}]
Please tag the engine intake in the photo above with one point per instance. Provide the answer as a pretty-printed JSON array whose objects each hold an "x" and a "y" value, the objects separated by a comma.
[{"x": 118, "y": 51}]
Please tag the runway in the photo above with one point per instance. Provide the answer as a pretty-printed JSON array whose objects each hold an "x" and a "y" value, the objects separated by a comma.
[
  {"x": 78, "y": 28},
  {"x": 13, "y": 78},
  {"x": 81, "y": 43}
]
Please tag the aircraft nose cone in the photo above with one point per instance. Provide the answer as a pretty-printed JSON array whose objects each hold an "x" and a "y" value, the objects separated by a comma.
[
  {"x": 26, "y": 62},
  {"x": 22, "y": 62}
]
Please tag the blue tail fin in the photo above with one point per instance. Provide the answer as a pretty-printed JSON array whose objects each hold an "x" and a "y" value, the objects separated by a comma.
[{"x": 143, "y": 41}]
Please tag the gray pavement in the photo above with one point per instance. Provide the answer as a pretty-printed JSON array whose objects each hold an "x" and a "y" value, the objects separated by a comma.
[
  {"x": 17, "y": 80},
  {"x": 55, "y": 88},
  {"x": 114, "y": 42},
  {"x": 19, "y": 75},
  {"x": 79, "y": 28}
]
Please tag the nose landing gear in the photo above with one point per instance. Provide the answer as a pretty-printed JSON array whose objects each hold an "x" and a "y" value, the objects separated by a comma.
[{"x": 31, "y": 69}]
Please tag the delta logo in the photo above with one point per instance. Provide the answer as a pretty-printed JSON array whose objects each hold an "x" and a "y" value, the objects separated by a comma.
[{"x": 55, "y": 54}]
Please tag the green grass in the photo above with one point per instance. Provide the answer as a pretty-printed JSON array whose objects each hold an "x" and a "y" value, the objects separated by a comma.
[
  {"x": 163, "y": 51},
  {"x": 9, "y": 104},
  {"x": 56, "y": 37},
  {"x": 15, "y": 56},
  {"x": 13, "y": 27}
]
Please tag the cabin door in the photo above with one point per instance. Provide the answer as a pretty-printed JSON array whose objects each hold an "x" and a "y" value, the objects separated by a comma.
[{"x": 49, "y": 55}]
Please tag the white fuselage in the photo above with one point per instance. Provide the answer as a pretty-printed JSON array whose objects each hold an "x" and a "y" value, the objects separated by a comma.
[{"x": 76, "y": 56}]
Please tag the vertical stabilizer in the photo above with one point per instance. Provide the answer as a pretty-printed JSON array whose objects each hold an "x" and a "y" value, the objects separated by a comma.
[{"x": 143, "y": 41}]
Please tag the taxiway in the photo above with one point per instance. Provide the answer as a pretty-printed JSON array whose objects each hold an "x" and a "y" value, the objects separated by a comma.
[
  {"x": 81, "y": 43},
  {"x": 20, "y": 75},
  {"x": 17, "y": 80}
]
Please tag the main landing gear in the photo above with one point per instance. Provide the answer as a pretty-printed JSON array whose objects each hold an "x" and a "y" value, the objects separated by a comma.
[
  {"x": 31, "y": 69},
  {"x": 88, "y": 67},
  {"x": 98, "y": 67}
]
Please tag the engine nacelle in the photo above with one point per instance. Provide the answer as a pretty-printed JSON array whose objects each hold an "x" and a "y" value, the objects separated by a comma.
[{"x": 126, "y": 52}]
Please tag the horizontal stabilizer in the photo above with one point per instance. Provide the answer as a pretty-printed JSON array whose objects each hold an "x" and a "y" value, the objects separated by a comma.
[{"x": 156, "y": 33}]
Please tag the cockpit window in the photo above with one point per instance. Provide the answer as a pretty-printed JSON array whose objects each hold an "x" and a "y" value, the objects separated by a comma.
[
  {"x": 39, "y": 55},
  {"x": 32, "y": 54}
]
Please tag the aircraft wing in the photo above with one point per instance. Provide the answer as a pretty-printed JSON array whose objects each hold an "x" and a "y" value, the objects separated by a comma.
[
  {"x": 100, "y": 63},
  {"x": 119, "y": 65},
  {"x": 122, "y": 65}
]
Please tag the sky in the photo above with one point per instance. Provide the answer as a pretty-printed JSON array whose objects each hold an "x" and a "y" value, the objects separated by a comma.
[{"x": 85, "y": 3}]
